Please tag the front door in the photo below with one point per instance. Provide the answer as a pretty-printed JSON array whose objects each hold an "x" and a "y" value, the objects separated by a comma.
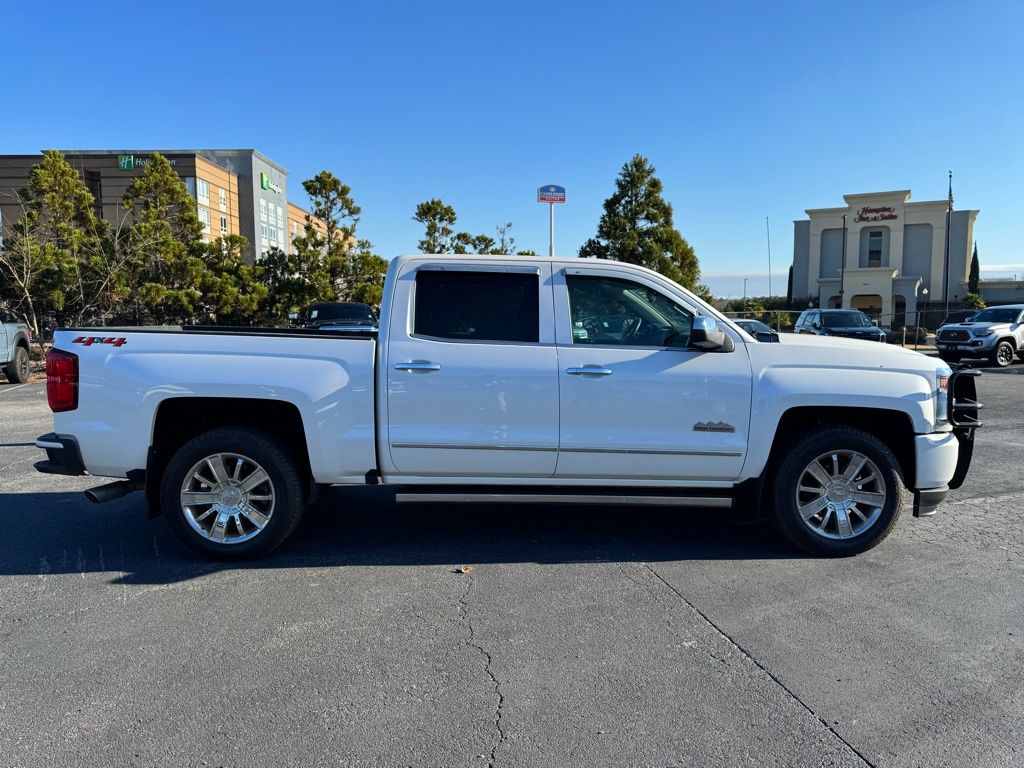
[
  {"x": 472, "y": 383},
  {"x": 636, "y": 403}
]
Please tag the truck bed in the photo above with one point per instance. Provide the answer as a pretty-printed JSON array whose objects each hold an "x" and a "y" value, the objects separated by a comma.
[{"x": 127, "y": 376}]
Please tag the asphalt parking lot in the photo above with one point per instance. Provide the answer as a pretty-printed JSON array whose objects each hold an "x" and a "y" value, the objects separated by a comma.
[{"x": 578, "y": 638}]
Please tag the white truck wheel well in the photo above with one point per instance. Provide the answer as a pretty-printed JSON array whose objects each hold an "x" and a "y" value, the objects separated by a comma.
[
  {"x": 179, "y": 419},
  {"x": 894, "y": 428}
]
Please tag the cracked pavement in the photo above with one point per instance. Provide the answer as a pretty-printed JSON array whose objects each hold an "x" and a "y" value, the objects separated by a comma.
[{"x": 580, "y": 638}]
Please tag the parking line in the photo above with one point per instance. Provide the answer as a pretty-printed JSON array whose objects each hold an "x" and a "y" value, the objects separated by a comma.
[{"x": 11, "y": 389}]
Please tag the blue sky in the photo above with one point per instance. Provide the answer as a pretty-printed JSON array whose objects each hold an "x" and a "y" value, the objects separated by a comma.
[{"x": 747, "y": 110}]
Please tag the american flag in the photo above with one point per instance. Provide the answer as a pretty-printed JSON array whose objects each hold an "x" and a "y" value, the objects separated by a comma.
[{"x": 950, "y": 192}]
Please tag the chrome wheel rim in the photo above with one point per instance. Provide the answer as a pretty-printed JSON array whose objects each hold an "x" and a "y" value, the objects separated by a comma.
[
  {"x": 840, "y": 495},
  {"x": 227, "y": 498},
  {"x": 1004, "y": 355}
]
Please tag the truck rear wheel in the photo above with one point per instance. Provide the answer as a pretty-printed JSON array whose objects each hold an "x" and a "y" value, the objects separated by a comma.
[
  {"x": 18, "y": 369},
  {"x": 232, "y": 493},
  {"x": 838, "y": 492}
]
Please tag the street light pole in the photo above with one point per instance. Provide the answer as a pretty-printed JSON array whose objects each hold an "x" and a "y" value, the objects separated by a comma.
[
  {"x": 744, "y": 295},
  {"x": 842, "y": 268},
  {"x": 945, "y": 261}
]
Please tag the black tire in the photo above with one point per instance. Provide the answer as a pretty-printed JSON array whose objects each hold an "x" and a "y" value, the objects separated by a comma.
[
  {"x": 287, "y": 484},
  {"x": 1003, "y": 354},
  {"x": 807, "y": 448},
  {"x": 18, "y": 369}
]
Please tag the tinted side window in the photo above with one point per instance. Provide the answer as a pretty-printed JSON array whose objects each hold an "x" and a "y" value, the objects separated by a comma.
[{"x": 477, "y": 306}]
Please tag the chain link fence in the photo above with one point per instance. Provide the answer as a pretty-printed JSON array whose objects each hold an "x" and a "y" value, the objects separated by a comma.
[{"x": 915, "y": 329}]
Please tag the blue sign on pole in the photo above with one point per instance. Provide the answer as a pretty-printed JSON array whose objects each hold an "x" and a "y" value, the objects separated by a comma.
[{"x": 551, "y": 193}]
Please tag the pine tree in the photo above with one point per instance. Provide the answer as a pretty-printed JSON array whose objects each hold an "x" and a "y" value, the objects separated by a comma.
[
  {"x": 637, "y": 227},
  {"x": 438, "y": 218},
  {"x": 975, "y": 274},
  {"x": 332, "y": 203},
  {"x": 166, "y": 239}
]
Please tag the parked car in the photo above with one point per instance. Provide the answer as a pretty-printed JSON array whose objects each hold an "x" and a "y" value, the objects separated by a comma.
[
  {"x": 958, "y": 316},
  {"x": 478, "y": 389},
  {"x": 14, "y": 357},
  {"x": 846, "y": 323},
  {"x": 996, "y": 333},
  {"x": 341, "y": 316},
  {"x": 757, "y": 329}
]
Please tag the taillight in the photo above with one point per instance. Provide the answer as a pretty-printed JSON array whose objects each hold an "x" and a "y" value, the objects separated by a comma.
[{"x": 61, "y": 380}]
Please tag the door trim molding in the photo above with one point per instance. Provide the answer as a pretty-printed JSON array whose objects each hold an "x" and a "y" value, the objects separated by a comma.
[
  {"x": 652, "y": 452},
  {"x": 542, "y": 449},
  {"x": 469, "y": 447}
]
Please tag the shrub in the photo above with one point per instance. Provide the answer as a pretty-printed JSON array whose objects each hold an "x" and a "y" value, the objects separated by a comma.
[{"x": 915, "y": 335}]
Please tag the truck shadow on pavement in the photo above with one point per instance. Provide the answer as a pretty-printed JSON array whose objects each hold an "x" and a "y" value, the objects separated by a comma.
[{"x": 55, "y": 533}]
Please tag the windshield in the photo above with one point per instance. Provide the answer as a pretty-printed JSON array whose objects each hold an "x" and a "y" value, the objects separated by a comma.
[
  {"x": 845, "y": 320},
  {"x": 753, "y": 326},
  {"x": 341, "y": 313},
  {"x": 996, "y": 315}
]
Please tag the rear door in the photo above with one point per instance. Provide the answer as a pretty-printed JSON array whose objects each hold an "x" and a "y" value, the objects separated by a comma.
[{"x": 472, "y": 383}]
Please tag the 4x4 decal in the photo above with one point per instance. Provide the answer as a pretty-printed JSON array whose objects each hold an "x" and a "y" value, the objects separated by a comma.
[{"x": 88, "y": 341}]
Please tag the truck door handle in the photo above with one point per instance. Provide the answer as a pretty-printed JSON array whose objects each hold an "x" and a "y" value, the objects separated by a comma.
[
  {"x": 418, "y": 366},
  {"x": 589, "y": 370}
]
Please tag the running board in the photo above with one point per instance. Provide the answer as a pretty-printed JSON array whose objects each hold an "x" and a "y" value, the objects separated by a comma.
[{"x": 717, "y": 502}]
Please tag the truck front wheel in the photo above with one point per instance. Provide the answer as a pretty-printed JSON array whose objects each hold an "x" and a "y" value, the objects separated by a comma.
[
  {"x": 232, "y": 493},
  {"x": 1003, "y": 354},
  {"x": 838, "y": 492}
]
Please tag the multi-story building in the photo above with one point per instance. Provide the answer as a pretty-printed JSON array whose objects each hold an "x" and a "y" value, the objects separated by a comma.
[
  {"x": 237, "y": 191},
  {"x": 296, "y": 219},
  {"x": 895, "y": 251}
]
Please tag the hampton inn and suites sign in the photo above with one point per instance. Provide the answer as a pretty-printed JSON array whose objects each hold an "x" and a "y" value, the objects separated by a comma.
[{"x": 878, "y": 213}]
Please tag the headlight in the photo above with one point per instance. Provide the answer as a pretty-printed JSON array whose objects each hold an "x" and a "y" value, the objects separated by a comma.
[
  {"x": 942, "y": 396},
  {"x": 983, "y": 332}
]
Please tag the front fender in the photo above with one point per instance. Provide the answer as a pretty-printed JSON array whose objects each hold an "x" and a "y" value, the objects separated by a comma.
[{"x": 782, "y": 388}]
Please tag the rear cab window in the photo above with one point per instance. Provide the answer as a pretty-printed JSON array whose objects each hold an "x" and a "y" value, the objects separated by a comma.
[{"x": 477, "y": 305}]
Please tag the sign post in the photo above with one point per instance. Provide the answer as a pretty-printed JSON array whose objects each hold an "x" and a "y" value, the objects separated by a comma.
[{"x": 551, "y": 194}]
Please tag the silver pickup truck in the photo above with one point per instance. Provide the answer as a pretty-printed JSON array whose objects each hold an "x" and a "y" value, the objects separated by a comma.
[
  {"x": 996, "y": 334},
  {"x": 14, "y": 357}
]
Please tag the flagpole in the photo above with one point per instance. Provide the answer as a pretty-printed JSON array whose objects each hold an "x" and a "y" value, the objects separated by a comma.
[{"x": 945, "y": 261}]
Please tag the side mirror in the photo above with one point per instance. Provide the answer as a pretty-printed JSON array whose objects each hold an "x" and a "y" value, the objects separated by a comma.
[{"x": 707, "y": 335}]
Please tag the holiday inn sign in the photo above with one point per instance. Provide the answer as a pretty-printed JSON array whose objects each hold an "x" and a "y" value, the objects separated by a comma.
[{"x": 130, "y": 163}]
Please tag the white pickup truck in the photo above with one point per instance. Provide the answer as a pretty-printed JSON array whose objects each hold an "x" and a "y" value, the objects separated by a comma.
[{"x": 516, "y": 379}]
